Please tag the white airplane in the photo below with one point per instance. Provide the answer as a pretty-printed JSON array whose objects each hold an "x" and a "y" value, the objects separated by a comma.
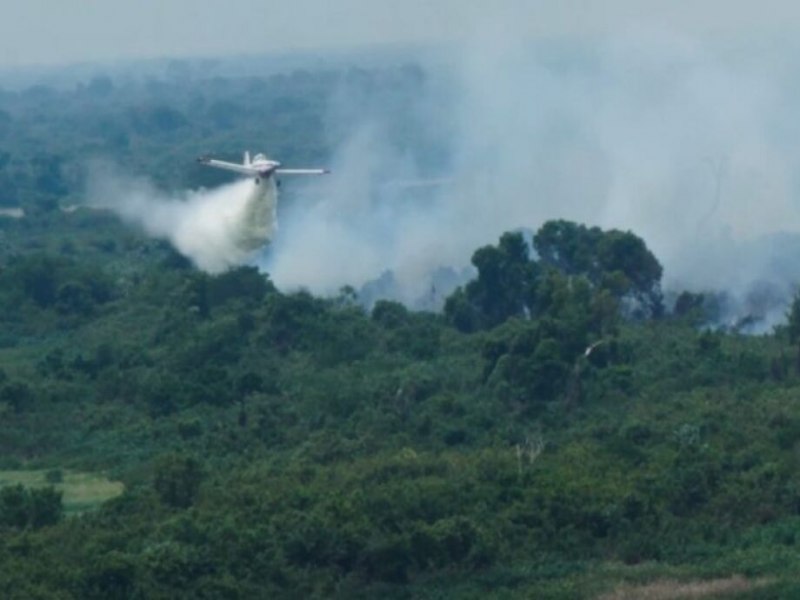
[{"x": 259, "y": 168}]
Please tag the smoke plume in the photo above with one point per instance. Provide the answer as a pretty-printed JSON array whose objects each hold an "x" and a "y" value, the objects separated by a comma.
[
  {"x": 216, "y": 229},
  {"x": 691, "y": 146}
]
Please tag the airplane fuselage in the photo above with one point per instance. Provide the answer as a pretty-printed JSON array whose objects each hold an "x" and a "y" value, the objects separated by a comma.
[
  {"x": 259, "y": 168},
  {"x": 264, "y": 167}
]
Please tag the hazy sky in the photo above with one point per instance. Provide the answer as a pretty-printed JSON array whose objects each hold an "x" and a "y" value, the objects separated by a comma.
[{"x": 65, "y": 31}]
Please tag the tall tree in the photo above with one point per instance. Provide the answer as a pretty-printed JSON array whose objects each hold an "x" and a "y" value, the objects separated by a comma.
[
  {"x": 617, "y": 261},
  {"x": 503, "y": 288}
]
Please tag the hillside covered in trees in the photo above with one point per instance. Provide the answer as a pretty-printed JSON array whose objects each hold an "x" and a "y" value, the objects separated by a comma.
[{"x": 556, "y": 431}]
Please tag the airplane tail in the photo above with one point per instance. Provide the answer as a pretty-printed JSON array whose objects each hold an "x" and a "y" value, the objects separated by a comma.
[{"x": 246, "y": 160}]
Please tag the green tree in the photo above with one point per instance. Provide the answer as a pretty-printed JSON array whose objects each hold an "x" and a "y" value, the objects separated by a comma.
[
  {"x": 505, "y": 283},
  {"x": 38, "y": 275},
  {"x": 45, "y": 507},
  {"x": 14, "y": 506},
  {"x": 614, "y": 260},
  {"x": 793, "y": 316},
  {"x": 177, "y": 480},
  {"x": 21, "y": 507}
]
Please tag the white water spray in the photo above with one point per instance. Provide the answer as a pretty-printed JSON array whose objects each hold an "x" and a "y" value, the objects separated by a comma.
[{"x": 216, "y": 229}]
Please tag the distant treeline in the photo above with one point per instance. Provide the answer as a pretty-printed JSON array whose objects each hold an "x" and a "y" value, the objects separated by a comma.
[{"x": 157, "y": 127}]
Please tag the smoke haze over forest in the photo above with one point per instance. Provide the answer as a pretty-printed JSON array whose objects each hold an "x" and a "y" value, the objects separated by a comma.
[
  {"x": 683, "y": 137},
  {"x": 689, "y": 148}
]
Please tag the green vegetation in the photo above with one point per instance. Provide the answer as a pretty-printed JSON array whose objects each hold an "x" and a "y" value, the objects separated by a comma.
[
  {"x": 256, "y": 443},
  {"x": 282, "y": 444},
  {"x": 79, "y": 492}
]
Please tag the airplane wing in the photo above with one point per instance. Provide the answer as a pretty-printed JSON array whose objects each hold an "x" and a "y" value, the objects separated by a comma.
[
  {"x": 221, "y": 164},
  {"x": 302, "y": 171}
]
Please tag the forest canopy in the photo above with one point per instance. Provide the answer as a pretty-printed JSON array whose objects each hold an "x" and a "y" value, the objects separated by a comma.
[{"x": 560, "y": 428}]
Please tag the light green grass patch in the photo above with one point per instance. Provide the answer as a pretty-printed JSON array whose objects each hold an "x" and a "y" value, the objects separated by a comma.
[{"x": 82, "y": 491}]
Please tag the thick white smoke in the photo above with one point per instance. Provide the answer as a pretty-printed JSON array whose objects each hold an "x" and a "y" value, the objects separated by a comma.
[
  {"x": 651, "y": 133},
  {"x": 689, "y": 146},
  {"x": 216, "y": 229},
  {"x": 373, "y": 214}
]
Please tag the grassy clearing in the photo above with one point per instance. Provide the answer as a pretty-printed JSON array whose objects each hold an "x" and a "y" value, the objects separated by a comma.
[
  {"x": 82, "y": 491},
  {"x": 671, "y": 589}
]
